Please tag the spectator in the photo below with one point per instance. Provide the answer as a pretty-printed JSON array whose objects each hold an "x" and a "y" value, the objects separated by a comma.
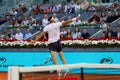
[
  {"x": 25, "y": 21},
  {"x": 103, "y": 25},
  {"x": 20, "y": 12},
  {"x": 85, "y": 34},
  {"x": 34, "y": 11},
  {"x": 77, "y": 6},
  {"x": 76, "y": 33},
  {"x": 55, "y": 9},
  {"x": 1, "y": 38},
  {"x": 110, "y": 36},
  {"x": 46, "y": 10},
  {"x": 69, "y": 32},
  {"x": 118, "y": 6},
  {"x": 19, "y": 20},
  {"x": 13, "y": 21},
  {"x": 7, "y": 18},
  {"x": 79, "y": 37},
  {"x": 61, "y": 20},
  {"x": 71, "y": 7},
  {"x": 63, "y": 32},
  {"x": 64, "y": 4},
  {"x": 51, "y": 6},
  {"x": 104, "y": 35},
  {"x": 2, "y": 20},
  {"x": 31, "y": 7},
  {"x": 117, "y": 15},
  {"x": 11, "y": 33},
  {"x": 103, "y": 17},
  {"x": 77, "y": 22},
  {"x": 35, "y": 23},
  {"x": 55, "y": 18},
  {"x": 3, "y": 34},
  {"x": 94, "y": 18},
  {"x": 18, "y": 35},
  {"x": 63, "y": 7},
  {"x": 62, "y": 37},
  {"x": 14, "y": 12},
  {"x": 42, "y": 7},
  {"x": 112, "y": 7},
  {"x": 31, "y": 18},
  {"x": 37, "y": 9},
  {"x": 91, "y": 7},
  {"x": 28, "y": 34},
  {"x": 110, "y": 18},
  {"x": 110, "y": 31},
  {"x": 24, "y": 8},
  {"x": 69, "y": 36},
  {"x": 13, "y": 38},
  {"x": 58, "y": 6},
  {"x": 7, "y": 38},
  {"x": 30, "y": 24},
  {"x": 100, "y": 8},
  {"x": 117, "y": 33},
  {"x": 45, "y": 20},
  {"x": 84, "y": 4}
]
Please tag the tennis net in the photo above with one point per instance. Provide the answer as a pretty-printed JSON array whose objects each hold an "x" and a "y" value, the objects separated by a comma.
[{"x": 77, "y": 72}]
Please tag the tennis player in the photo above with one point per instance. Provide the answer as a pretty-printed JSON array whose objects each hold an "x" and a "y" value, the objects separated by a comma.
[{"x": 53, "y": 30}]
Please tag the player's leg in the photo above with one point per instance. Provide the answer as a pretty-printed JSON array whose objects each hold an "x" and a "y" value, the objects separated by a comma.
[
  {"x": 62, "y": 57},
  {"x": 64, "y": 62},
  {"x": 53, "y": 55}
]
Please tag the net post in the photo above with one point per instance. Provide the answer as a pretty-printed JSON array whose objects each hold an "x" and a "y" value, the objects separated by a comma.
[
  {"x": 13, "y": 73},
  {"x": 82, "y": 73}
]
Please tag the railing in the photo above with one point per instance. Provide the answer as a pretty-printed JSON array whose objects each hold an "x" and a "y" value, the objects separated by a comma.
[{"x": 114, "y": 24}]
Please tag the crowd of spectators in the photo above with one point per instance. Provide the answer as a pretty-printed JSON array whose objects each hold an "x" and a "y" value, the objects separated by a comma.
[
  {"x": 18, "y": 19},
  {"x": 111, "y": 34},
  {"x": 72, "y": 7},
  {"x": 14, "y": 35},
  {"x": 15, "y": 12},
  {"x": 75, "y": 34}
]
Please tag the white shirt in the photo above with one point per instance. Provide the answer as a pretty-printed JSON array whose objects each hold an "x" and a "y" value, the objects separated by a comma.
[
  {"x": 19, "y": 36},
  {"x": 77, "y": 22},
  {"x": 25, "y": 22},
  {"x": 118, "y": 35},
  {"x": 56, "y": 19},
  {"x": 45, "y": 22},
  {"x": 63, "y": 32},
  {"x": 77, "y": 7},
  {"x": 75, "y": 35},
  {"x": 53, "y": 30}
]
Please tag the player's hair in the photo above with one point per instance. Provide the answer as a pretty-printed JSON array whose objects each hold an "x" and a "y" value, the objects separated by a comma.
[{"x": 50, "y": 18}]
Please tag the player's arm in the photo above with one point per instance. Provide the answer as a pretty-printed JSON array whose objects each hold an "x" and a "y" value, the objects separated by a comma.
[
  {"x": 40, "y": 36},
  {"x": 70, "y": 20}
]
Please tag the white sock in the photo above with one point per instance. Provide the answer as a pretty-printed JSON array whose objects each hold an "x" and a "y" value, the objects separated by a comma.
[
  {"x": 59, "y": 71},
  {"x": 67, "y": 70}
]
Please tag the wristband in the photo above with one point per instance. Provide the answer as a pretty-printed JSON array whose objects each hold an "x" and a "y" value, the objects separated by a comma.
[
  {"x": 74, "y": 19},
  {"x": 79, "y": 14}
]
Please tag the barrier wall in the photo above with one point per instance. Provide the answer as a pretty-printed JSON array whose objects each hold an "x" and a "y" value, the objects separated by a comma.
[{"x": 44, "y": 58}]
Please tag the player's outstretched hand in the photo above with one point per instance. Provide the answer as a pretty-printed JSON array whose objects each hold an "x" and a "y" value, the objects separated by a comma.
[{"x": 78, "y": 17}]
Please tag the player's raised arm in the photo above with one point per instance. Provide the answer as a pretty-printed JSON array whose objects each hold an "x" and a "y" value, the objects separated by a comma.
[
  {"x": 39, "y": 37},
  {"x": 70, "y": 20}
]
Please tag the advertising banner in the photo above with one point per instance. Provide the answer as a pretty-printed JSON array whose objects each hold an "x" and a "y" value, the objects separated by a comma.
[{"x": 26, "y": 59}]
